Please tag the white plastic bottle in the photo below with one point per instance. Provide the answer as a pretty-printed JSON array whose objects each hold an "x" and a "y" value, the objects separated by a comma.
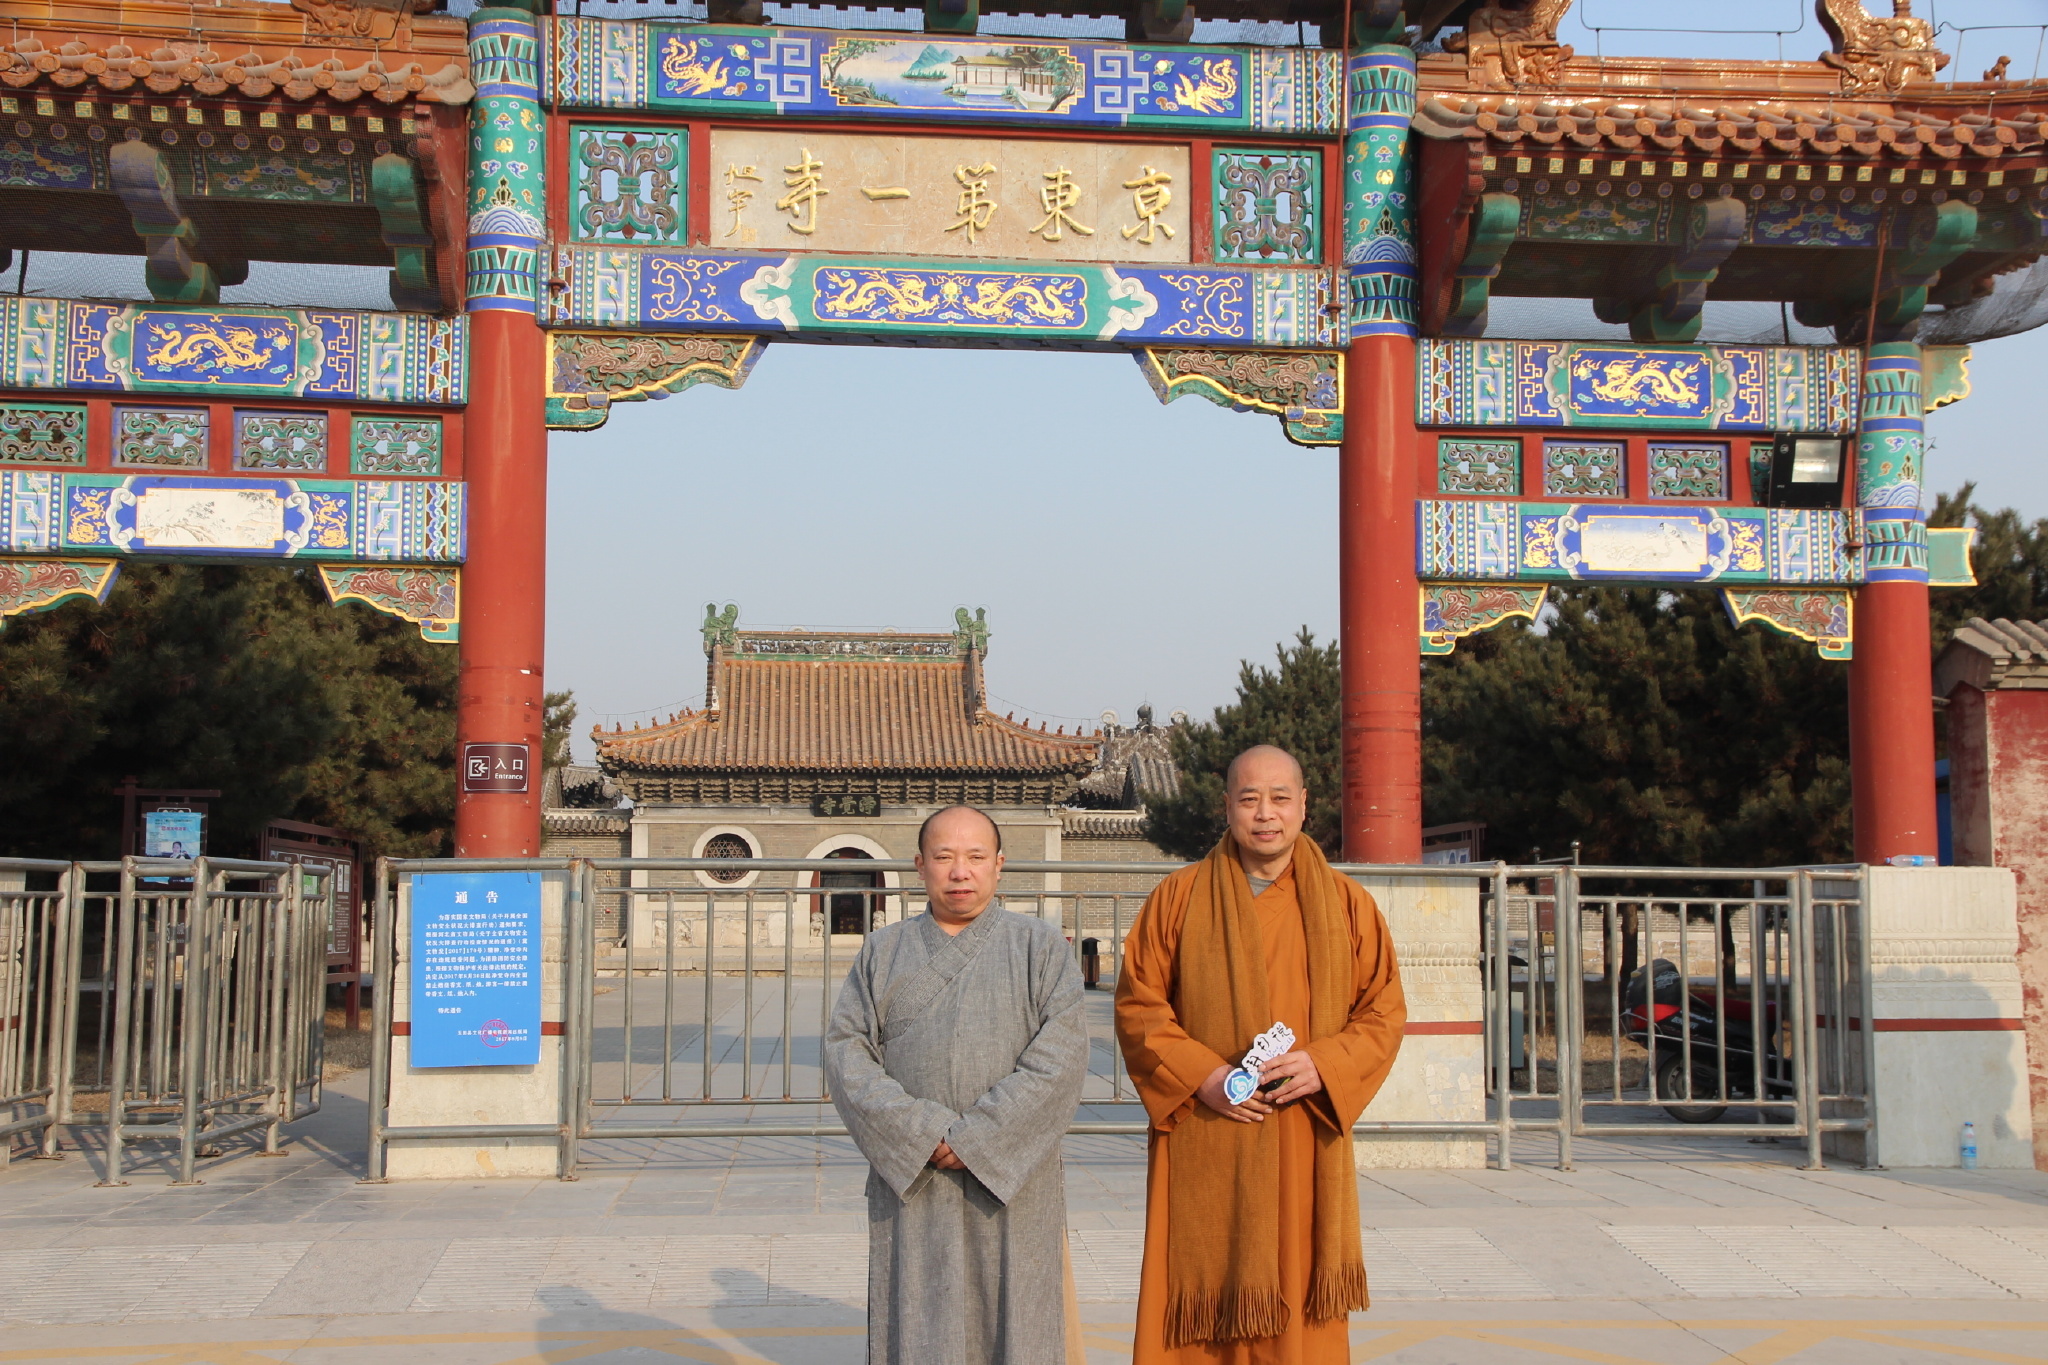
[{"x": 1969, "y": 1152}]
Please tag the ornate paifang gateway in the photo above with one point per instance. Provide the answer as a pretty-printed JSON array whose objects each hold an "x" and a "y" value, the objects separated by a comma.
[{"x": 636, "y": 208}]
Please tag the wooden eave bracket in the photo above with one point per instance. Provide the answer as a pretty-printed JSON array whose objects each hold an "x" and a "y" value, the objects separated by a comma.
[{"x": 178, "y": 270}]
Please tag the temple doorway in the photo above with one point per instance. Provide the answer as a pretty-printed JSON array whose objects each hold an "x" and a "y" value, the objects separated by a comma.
[{"x": 851, "y": 910}]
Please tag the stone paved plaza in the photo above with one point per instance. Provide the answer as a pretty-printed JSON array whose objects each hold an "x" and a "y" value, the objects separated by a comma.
[{"x": 752, "y": 1251}]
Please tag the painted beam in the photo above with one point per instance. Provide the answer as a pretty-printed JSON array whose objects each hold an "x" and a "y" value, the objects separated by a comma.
[
  {"x": 904, "y": 300},
  {"x": 1481, "y": 383},
  {"x": 863, "y": 77},
  {"x": 1538, "y": 542},
  {"x": 275, "y": 352},
  {"x": 200, "y": 517}
]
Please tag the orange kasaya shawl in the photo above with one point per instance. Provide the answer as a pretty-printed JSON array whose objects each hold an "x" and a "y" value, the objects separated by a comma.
[{"x": 1223, "y": 1257}]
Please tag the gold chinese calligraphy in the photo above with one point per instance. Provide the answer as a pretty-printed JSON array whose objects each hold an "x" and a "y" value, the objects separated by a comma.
[{"x": 999, "y": 198}]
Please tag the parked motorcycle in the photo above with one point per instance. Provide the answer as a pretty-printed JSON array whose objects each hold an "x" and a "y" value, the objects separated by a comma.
[{"x": 1658, "y": 1002}]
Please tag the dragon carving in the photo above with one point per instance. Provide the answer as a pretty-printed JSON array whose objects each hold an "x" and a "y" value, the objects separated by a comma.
[
  {"x": 225, "y": 347},
  {"x": 1653, "y": 382},
  {"x": 368, "y": 21},
  {"x": 1514, "y": 45},
  {"x": 1878, "y": 55}
]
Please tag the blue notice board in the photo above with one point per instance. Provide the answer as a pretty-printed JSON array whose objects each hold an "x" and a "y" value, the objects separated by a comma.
[{"x": 475, "y": 969}]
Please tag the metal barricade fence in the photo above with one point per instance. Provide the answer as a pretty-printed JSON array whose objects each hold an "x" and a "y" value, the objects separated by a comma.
[
  {"x": 39, "y": 955},
  {"x": 714, "y": 997},
  {"x": 211, "y": 1001}
]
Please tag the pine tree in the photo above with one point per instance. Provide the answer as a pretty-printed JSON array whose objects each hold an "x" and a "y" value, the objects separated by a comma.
[
  {"x": 1294, "y": 706},
  {"x": 243, "y": 679},
  {"x": 2010, "y": 559},
  {"x": 1644, "y": 724}
]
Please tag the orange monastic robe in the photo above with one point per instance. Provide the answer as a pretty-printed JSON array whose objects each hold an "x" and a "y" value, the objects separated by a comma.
[{"x": 1170, "y": 1066}]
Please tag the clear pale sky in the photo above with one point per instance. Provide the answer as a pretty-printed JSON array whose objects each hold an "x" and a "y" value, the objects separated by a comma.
[{"x": 1125, "y": 551}]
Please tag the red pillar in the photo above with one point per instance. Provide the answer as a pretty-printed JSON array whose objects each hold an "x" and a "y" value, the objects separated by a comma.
[
  {"x": 1381, "y": 612},
  {"x": 1891, "y": 724},
  {"x": 504, "y": 581}
]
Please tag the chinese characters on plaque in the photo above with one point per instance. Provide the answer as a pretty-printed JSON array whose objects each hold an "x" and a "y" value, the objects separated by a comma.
[
  {"x": 846, "y": 803},
  {"x": 1016, "y": 199}
]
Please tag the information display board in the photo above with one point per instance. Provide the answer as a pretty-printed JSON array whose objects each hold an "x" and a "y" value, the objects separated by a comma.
[{"x": 475, "y": 969}]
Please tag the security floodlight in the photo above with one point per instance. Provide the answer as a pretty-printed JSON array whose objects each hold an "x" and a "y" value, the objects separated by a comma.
[{"x": 1808, "y": 469}]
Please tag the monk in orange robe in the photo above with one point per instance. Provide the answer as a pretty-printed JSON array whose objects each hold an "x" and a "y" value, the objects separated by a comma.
[{"x": 1252, "y": 1250}]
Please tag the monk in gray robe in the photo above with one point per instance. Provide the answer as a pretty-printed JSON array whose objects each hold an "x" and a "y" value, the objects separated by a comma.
[{"x": 956, "y": 1055}]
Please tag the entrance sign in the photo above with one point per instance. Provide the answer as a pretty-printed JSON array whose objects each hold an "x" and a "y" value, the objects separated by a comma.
[
  {"x": 494, "y": 767},
  {"x": 475, "y": 969}
]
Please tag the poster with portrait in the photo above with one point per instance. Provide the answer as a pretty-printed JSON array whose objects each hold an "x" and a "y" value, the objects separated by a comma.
[{"x": 179, "y": 834}]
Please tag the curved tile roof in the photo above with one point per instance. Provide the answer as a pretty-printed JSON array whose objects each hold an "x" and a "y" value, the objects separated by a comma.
[
  {"x": 1693, "y": 126},
  {"x": 890, "y": 715}
]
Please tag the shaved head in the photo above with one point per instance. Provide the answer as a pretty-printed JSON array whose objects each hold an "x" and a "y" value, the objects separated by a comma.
[
  {"x": 1258, "y": 758},
  {"x": 1265, "y": 796},
  {"x": 946, "y": 816}
]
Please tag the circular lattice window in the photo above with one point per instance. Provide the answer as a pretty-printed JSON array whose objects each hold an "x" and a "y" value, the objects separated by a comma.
[{"x": 728, "y": 846}]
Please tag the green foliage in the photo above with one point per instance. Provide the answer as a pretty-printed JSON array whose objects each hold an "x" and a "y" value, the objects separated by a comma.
[
  {"x": 1647, "y": 726},
  {"x": 240, "y": 678},
  {"x": 558, "y": 716},
  {"x": 1294, "y": 706},
  {"x": 2011, "y": 562},
  {"x": 1640, "y": 722}
]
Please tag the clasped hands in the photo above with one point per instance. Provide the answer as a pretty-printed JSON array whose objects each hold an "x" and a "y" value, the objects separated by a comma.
[
  {"x": 1297, "y": 1072},
  {"x": 943, "y": 1158}
]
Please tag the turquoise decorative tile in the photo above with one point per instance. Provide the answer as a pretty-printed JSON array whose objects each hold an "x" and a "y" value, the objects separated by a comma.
[
  {"x": 628, "y": 185},
  {"x": 281, "y": 442},
  {"x": 42, "y": 433},
  {"x": 1268, "y": 206},
  {"x": 1467, "y": 466},
  {"x": 1689, "y": 470},
  {"x": 160, "y": 438},
  {"x": 395, "y": 445}
]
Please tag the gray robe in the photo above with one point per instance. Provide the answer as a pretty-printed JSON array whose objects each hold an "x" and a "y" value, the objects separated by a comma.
[{"x": 978, "y": 1039}]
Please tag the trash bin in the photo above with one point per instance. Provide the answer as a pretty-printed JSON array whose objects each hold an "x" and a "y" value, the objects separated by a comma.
[{"x": 1091, "y": 964}]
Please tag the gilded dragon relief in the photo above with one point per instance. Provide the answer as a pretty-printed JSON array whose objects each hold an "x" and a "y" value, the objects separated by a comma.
[
  {"x": 1879, "y": 56},
  {"x": 1514, "y": 45}
]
